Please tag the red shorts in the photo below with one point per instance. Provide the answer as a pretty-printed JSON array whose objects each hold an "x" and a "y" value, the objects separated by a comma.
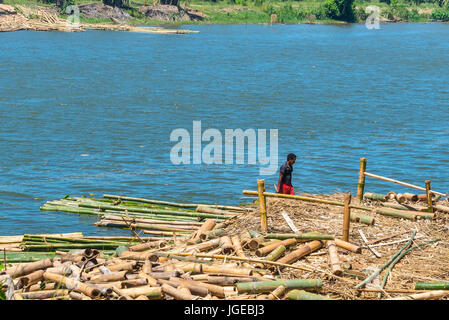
[{"x": 286, "y": 189}]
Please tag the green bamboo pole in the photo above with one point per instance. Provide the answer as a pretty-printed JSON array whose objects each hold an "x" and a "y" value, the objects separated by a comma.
[
  {"x": 399, "y": 257},
  {"x": 52, "y": 247},
  {"x": 405, "y": 207},
  {"x": 268, "y": 286},
  {"x": 378, "y": 271},
  {"x": 304, "y": 295},
  {"x": 432, "y": 286},
  {"x": 166, "y": 212},
  {"x": 17, "y": 257},
  {"x": 410, "y": 215},
  {"x": 302, "y": 236}
]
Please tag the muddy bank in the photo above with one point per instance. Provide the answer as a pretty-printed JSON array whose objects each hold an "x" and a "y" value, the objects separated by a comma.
[
  {"x": 171, "y": 13},
  {"x": 101, "y": 11}
]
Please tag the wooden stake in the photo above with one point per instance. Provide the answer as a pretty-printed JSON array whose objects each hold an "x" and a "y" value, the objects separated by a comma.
[
  {"x": 429, "y": 196},
  {"x": 346, "y": 217},
  {"x": 361, "y": 184},
  {"x": 262, "y": 205}
]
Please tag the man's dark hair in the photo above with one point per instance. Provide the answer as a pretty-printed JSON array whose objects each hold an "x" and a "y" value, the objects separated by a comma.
[{"x": 291, "y": 156}]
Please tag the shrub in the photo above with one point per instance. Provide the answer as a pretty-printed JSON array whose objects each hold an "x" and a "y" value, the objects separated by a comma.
[
  {"x": 339, "y": 10},
  {"x": 440, "y": 14}
]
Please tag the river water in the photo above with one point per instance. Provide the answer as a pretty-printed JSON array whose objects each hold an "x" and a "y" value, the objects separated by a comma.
[{"x": 92, "y": 113}]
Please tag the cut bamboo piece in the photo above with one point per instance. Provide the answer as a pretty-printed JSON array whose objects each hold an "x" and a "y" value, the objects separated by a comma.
[
  {"x": 346, "y": 217},
  {"x": 217, "y": 269},
  {"x": 30, "y": 279},
  {"x": 334, "y": 259},
  {"x": 410, "y": 196},
  {"x": 139, "y": 256},
  {"x": 375, "y": 196},
  {"x": 142, "y": 297},
  {"x": 148, "y": 245},
  {"x": 400, "y": 198},
  {"x": 148, "y": 291},
  {"x": 245, "y": 236},
  {"x": 432, "y": 286},
  {"x": 113, "y": 276},
  {"x": 361, "y": 183},
  {"x": 276, "y": 253},
  {"x": 424, "y": 296},
  {"x": 348, "y": 246},
  {"x": 267, "y": 249},
  {"x": 277, "y": 293},
  {"x": 226, "y": 245},
  {"x": 176, "y": 293},
  {"x": 301, "y": 252},
  {"x": 193, "y": 287},
  {"x": 74, "y": 284},
  {"x": 213, "y": 289},
  {"x": 27, "y": 268},
  {"x": 399, "y": 206},
  {"x": 239, "y": 250},
  {"x": 262, "y": 205},
  {"x": 255, "y": 243},
  {"x": 78, "y": 296},
  {"x": 151, "y": 281},
  {"x": 208, "y": 225},
  {"x": 133, "y": 283},
  {"x": 128, "y": 266},
  {"x": 268, "y": 286},
  {"x": 212, "y": 234},
  {"x": 444, "y": 209},
  {"x": 44, "y": 294},
  {"x": 304, "y": 295}
]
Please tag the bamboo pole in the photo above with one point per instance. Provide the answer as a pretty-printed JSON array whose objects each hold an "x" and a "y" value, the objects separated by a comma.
[
  {"x": 361, "y": 183},
  {"x": 429, "y": 197},
  {"x": 268, "y": 286},
  {"x": 379, "y": 270},
  {"x": 346, "y": 217},
  {"x": 308, "y": 199},
  {"x": 411, "y": 215},
  {"x": 334, "y": 259},
  {"x": 262, "y": 205},
  {"x": 424, "y": 296},
  {"x": 410, "y": 196},
  {"x": 348, "y": 246},
  {"x": 302, "y": 236},
  {"x": 402, "y": 183},
  {"x": 432, "y": 286},
  {"x": 207, "y": 209}
]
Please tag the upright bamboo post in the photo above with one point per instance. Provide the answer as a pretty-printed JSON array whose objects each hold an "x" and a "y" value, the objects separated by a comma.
[
  {"x": 361, "y": 184},
  {"x": 346, "y": 217},
  {"x": 262, "y": 205},
  {"x": 429, "y": 196}
]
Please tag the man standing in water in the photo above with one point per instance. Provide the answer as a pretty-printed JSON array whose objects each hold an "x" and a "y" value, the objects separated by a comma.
[{"x": 285, "y": 176}]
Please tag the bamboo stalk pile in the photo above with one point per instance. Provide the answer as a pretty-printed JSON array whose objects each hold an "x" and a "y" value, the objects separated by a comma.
[{"x": 201, "y": 252}]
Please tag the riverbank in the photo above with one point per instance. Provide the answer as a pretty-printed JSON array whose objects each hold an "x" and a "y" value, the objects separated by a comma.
[{"x": 220, "y": 12}]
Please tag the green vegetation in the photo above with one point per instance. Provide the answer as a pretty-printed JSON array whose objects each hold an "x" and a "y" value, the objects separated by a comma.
[
  {"x": 260, "y": 11},
  {"x": 2, "y": 292}
]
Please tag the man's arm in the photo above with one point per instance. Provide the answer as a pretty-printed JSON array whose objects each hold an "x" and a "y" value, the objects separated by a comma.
[{"x": 281, "y": 175}]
